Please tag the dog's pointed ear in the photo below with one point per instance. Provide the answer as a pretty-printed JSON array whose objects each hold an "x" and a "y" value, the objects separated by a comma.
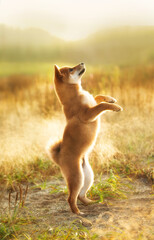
[{"x": 58, "y": 74}]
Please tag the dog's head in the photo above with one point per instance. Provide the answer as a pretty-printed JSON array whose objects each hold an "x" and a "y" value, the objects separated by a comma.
[{"x": 70, "y": 75}]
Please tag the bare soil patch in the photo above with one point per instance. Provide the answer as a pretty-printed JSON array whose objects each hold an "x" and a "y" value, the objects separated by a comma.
[{"x": 134, "y": 215}]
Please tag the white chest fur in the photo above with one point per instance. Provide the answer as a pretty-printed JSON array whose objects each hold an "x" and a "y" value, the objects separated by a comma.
[{"x": 87, "y": 99}]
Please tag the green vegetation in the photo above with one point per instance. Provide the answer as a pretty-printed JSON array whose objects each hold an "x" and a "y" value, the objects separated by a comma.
[
  {"x": 109, "y": 188},
  {"x": 122, "y": 46},
  {"x": 29, "y": 68},
  {"x": 38, "y": 170},
  {"x": 11, "y": 223},
  {"x": 74, "y": 231}
]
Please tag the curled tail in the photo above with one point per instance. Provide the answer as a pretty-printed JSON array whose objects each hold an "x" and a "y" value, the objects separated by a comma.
[{"x": 54, "y": 150}]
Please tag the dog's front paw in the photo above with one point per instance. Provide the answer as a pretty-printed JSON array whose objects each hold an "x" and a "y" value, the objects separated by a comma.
[
  {"x": 112, "y": 100},
  {"x": 117, "y": 108}
]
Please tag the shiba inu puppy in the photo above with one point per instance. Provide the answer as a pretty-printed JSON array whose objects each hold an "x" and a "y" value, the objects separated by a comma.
[{"x": 82, "y": 112}]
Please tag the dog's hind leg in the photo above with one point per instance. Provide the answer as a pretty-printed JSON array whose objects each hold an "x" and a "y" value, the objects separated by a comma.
[
  {"x": 88, "y": 181},
  {"x": 75, "y": 179}
]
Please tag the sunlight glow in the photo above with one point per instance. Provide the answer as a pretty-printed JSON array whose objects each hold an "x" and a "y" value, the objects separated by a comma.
[{"x": 72, "y": 20}]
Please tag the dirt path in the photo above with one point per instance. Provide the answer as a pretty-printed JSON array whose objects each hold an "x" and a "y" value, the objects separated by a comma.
[{"x": 133, "y": 215}]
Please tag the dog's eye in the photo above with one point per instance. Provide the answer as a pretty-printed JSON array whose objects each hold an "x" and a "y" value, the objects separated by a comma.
[{"x": 70, "y": 69}]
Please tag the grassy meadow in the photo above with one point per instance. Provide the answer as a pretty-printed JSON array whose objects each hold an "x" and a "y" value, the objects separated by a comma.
[{"x": 30, "y": 115}]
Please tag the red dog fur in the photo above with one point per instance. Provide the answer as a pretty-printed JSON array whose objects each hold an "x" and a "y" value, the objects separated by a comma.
[{"x": 82, "y": 113}]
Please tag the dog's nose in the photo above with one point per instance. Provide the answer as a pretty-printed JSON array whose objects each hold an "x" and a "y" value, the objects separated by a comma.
[{"x": 82, "y": 64}]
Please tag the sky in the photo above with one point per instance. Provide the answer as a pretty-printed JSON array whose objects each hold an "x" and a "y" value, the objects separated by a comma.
[{"x": 73, "y": 20}]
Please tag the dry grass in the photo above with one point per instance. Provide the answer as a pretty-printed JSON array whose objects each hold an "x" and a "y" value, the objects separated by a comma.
[{"x": 30, "y": 115}]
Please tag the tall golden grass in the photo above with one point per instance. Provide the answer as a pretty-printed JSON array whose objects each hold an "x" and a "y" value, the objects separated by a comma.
[{"x": 30, "y": 115}]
